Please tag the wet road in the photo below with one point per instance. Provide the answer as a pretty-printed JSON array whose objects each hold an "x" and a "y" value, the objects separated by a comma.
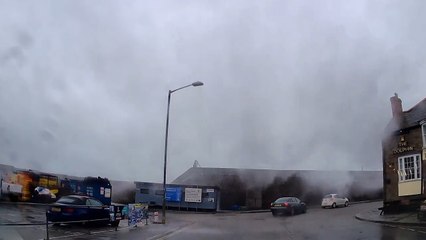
[{"x": 317, "y": 223}]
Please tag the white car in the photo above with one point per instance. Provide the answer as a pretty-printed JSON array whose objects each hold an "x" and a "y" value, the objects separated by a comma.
[
  {"x": 334, "y": 200},
  {"x": 42, "y": 194}
]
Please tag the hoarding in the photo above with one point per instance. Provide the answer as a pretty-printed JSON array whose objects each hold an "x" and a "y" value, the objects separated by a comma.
[
  {"x": 193, "y": 195},
  {"x": 137, "y": 212},
  {"x": 10, "y": 188},
  {"x": 173, "y": 194}
]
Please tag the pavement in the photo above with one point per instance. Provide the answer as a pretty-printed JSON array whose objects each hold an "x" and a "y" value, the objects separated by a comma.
[{"x": 406, "y": 218}]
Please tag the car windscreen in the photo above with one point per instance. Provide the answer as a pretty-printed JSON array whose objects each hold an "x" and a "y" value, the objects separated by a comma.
[
  {"x": 328, "y": 196},
  {"x": 70, "y": 200},
  {"x": 282, "y": 200}
]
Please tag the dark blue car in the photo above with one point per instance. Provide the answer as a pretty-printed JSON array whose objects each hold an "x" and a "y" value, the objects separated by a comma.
[
  {"x": 79, "y": 209},
  {"x": 287, "y": 205}
]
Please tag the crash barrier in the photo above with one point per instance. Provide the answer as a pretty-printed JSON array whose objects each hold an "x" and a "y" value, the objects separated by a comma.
[
  {"x": 100, "y": 220},
  {"x": 73, "y": 222}
]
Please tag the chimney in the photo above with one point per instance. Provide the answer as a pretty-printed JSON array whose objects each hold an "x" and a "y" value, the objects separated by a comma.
[{"x": 396, "y": 105}]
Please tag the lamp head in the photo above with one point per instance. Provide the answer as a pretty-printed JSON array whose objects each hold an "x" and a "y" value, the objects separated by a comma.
[{"x": 197, "y": 83}]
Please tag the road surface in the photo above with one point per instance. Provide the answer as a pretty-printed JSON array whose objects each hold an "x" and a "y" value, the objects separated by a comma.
[{"x": 317, "y": 223}]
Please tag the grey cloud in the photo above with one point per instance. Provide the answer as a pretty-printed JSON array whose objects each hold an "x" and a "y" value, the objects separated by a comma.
[{"x": 288, "y": 85}]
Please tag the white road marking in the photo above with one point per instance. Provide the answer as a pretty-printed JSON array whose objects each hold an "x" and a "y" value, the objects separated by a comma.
[
  {"x": 163, "y": 236},
  {"x": 67, "y": 236},
  {"x": 405, "y": 228}
]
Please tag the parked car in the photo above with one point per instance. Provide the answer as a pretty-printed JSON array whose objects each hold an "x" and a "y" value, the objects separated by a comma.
[
  {"x": 287, "y": 205},
  {"x": 79, "y": 209},
  {"x": 334, "y": 200}
]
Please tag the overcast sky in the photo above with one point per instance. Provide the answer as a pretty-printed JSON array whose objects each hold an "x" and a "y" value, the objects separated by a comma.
[{"x": 288, "y": 84}]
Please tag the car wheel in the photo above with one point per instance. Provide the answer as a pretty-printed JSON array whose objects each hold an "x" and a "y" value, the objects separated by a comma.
[
  {"x": 304, "y": 210},
  {"x": 292, "y": 212},
  {"x": 274, "y": 214},
  {"x": 334, "y": 205},
  {"x": 346, "y": 203}
]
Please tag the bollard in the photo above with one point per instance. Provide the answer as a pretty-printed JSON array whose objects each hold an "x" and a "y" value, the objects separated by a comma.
[
  {"x": 156, "y": 217},
  {"x": 47, "y": 227}
]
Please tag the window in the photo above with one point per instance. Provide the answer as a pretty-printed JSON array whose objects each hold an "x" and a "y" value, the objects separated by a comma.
[
  {"x": 205, "y": 195},
  {"x": 424, "y": 134},
  {"x": 282, "y": 200},
  {"x": 93, "y": 202},
  {"x": 409, "y": 167},
  {"x": 146, "y": 191},
  {"x": 70, "y": 200},
  {"x": 89, "y": 191}
]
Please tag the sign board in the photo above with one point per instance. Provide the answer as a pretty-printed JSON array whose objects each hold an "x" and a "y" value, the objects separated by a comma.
[
  {"x": 107, "y": 192},
  {"x": 193, "y": 195},
  {"x": 173, "y": 194},
  {"x": 10, "y": 188},
  {"x": 116, "y": 212}
]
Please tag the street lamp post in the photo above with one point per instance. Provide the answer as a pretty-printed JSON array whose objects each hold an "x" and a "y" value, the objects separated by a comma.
[{"x": 194, "y": 84}]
